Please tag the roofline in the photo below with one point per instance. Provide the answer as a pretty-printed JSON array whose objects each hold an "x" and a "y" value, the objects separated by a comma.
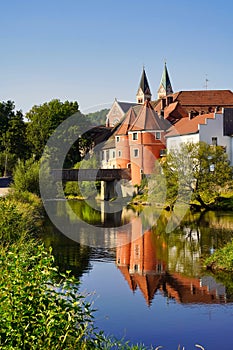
[{"x": 187, "y": 133}]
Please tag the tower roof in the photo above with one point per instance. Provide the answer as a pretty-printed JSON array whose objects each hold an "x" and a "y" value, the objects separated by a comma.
[
  {"x": 148, "y": 119},
  {"x": 127, "y": 122},
  {"x": 144, "y": 85},
  {"x": 165, "y": 83}
]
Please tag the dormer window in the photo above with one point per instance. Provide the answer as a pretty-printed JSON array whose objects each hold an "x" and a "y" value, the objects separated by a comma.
[{"x": 135, "y": 136}]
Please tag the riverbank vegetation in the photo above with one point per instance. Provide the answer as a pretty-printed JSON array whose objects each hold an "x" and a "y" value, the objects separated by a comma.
[
  {"x": 197, "y": 174},
  {"x": 41, "y": 308}
]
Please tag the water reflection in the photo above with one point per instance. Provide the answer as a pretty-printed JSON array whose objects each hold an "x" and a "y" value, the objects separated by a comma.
[
  {"x": 153, "y": 264},
  {"x": 149, "y": 259}
]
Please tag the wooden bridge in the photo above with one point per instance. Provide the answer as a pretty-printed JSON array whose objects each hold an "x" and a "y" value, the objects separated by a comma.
[
  {"x": 91, "y": 174},
  {"x": 110, "y": 187}
]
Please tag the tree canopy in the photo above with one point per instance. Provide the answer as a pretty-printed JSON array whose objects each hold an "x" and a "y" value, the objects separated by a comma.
[
  {"x": 12, "y": 136},
  {"x": 196, "y": 171},
  {"x": 44, "y": 119}
]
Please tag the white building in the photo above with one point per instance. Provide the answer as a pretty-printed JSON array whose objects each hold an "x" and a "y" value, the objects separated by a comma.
[{"x": 212, "y": 128}]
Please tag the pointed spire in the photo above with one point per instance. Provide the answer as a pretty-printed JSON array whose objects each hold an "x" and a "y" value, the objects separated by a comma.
[
  {"x": 144, "y": 92},
  {"x": 165, "y": 87}
]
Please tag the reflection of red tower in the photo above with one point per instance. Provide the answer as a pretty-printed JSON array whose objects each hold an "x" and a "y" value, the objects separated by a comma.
[
  {"x": 138, "y": 258},
  {"x": 138, "y": 262}
]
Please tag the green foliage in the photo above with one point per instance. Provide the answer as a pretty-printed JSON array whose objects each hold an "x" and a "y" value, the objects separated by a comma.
[
  {"x": 26, "y": 176},
  {"x": 12, "y": 137},
  {"x": 40, "y": 307},
  {"x": 10, "y": 221},
  {"x": 98, "y": 118},
  {"x": 222, "y": 259},
  {"x": 83, "y": 188},
  {"x": 44, "y": 119},
  {"x": 36, "y": 311},
  {"x": 196, "y": 171}
]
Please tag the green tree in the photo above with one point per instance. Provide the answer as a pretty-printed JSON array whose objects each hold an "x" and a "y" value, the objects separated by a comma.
[
  {"x": 198, "y": 171},
  {"x": 44, "y": 119},
  {"x": 12, "y": 137}
]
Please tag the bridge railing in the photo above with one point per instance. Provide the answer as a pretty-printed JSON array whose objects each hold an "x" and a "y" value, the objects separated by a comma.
[{"x": 91, "y": 174}]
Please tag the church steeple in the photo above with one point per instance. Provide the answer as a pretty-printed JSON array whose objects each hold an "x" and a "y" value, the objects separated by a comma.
[
  {"x": 165, "y": 87},
  {"x": 143, "y": 93}
]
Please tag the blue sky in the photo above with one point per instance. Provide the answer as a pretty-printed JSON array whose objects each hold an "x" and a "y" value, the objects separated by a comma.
[{"x": 93, "y": 51}]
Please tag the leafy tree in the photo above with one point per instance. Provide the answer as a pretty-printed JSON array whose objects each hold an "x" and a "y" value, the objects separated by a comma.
[
  {"x": 44, "y": 119},
  {"x": 12, "y": 136},
  {"x": 196, "y": 171}
]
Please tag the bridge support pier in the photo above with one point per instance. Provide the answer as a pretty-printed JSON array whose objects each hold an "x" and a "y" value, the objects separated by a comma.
[
  {"x": 108, "y": 190},
  {"x": 116, "y": 189}
]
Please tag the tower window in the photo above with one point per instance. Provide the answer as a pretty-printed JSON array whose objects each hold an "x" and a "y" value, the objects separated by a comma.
[
  {"x": 117, "y": 138},
  {"x": 136, "y": 152},
  {"x": 135, "y": 135},
  {"x": 158, "y": 135},
  {"x": 119, "y": 153}
]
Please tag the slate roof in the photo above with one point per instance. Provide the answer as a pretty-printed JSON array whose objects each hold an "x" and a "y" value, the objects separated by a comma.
[
  {"x": 186, "y": 126},
  {"x": 165, "y": 81},
  {"x": 144, "y": 85},
  {"x": 125, "y": 106},
  {"x": 148, "y": 119}
]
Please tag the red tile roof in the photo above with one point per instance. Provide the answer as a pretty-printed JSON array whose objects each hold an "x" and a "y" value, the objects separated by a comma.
[
  {"x": 204, "y": 97},
  {"x": 127, "y": 122},
  {"x": 148, "y": 119},
  {"x": 186, "y": 126}
]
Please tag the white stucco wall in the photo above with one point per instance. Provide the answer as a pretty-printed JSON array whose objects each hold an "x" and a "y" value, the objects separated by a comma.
[
  {"x": 212, "y": 128},
  {"x": 108, "y": 158},
  {"x": 176, "y": 141}
]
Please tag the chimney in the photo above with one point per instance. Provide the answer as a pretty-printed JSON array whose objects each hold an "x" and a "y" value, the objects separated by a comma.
[{"x": 163, "y": 103}]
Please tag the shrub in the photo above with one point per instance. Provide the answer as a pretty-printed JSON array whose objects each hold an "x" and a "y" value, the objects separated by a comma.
[{"x": 26, "y": 176}]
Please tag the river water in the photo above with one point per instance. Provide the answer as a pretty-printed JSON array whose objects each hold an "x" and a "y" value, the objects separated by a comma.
[{"x": 148, "y": 284}]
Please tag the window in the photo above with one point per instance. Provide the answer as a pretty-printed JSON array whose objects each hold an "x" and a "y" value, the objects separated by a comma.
[
  {"x": 135, "y": 152},
  {"x": 113, "y": 154},
  {"x": 158, "y": 135},
  {"x": 135, "y": 136},
  {"x": 214, "y": 141},
  {"x": 119, "y": 153},
  {"x": 129, "y": 165},
  {"x": 117, "y": 138},
  {"x": 102, "y": 155}
]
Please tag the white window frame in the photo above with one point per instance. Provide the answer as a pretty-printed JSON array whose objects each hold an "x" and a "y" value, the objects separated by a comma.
[
  {"x": 134, "y": 136},
  {"x": 158, "y": 133}
]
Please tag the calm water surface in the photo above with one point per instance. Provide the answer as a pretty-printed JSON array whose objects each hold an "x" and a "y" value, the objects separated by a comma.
[{"x": 148, "y": 285}]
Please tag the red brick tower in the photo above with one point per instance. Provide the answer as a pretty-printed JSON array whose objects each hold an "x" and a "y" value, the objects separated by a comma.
[{"x": 146, "y": 140}]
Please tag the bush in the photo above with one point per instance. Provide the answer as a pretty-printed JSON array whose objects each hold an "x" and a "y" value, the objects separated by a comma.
[{"x": 26, "y": 176}]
